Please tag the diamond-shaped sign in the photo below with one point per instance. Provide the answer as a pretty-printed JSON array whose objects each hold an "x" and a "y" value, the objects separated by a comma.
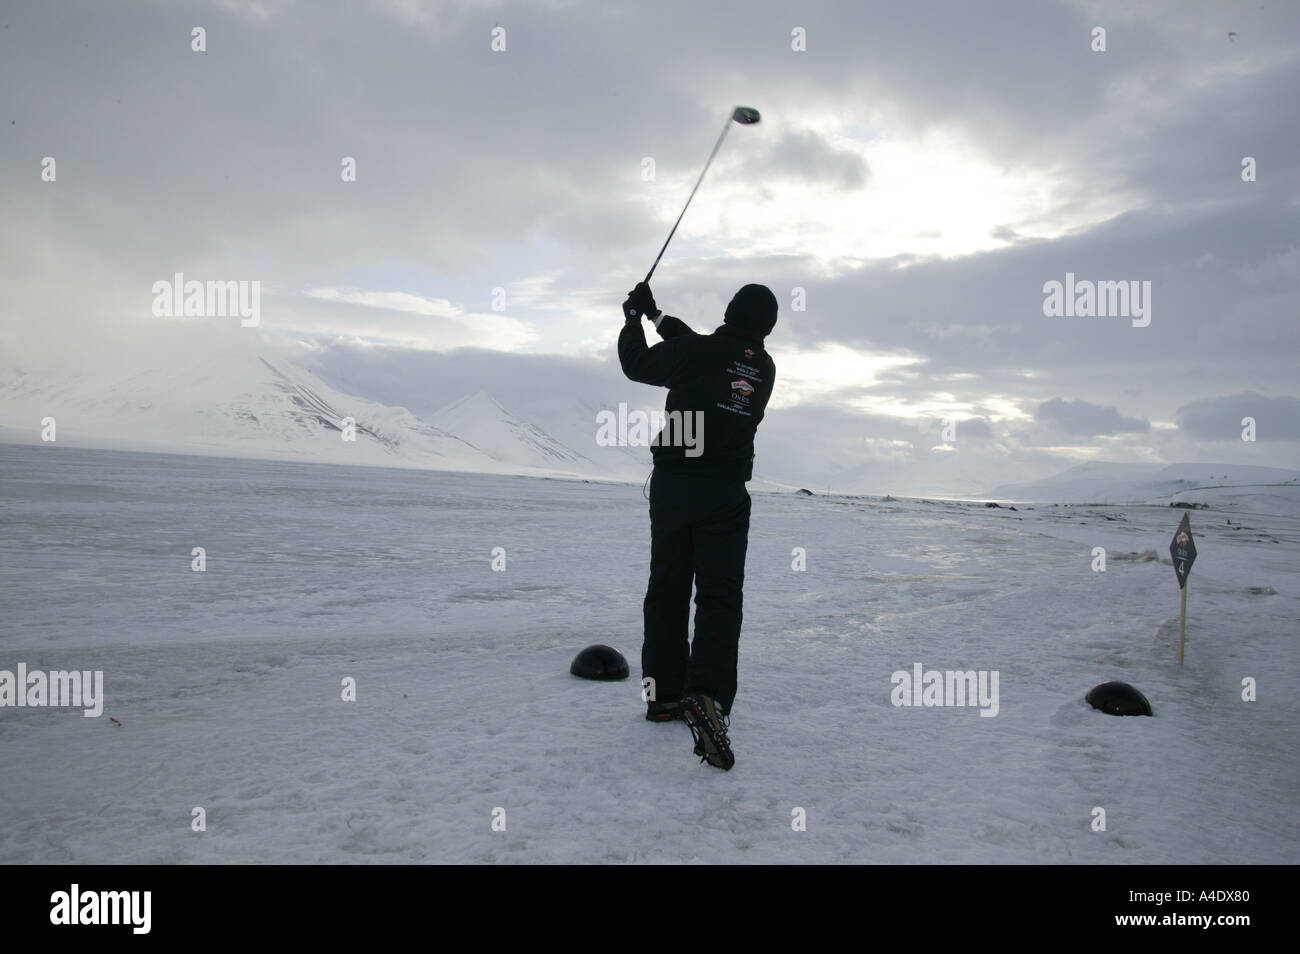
[{"x": 1183, "y": 550}]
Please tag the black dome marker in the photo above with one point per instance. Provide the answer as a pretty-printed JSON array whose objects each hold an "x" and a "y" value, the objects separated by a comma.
[
  {"x": 1118, "y": 698},
  {"x": 599, "y": 662}
]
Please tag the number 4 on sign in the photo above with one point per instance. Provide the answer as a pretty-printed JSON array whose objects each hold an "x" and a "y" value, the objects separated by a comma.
[{"x": 1183, "y": 550}]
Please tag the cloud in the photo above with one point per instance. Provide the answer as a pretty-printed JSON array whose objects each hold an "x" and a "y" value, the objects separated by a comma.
[
  {"x": 976, "y": 427},
  {"x": 1083, "y": 419},
  {"x": 1219, "y": 418},
  {"x": 804, "y": 154},
  {"x": 910, "y": 177},
  {"x": 1281, "y": 269},
  {"x": 413, "y": 320},
  {"x": 396, "y": 301}
]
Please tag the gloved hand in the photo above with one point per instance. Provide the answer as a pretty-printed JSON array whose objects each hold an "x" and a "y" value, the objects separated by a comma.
[
  {"x": 640, "y": 302},
  {"x": 643, "y": 300}
]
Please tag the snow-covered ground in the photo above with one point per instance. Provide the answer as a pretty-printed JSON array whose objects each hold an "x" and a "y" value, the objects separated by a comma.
[
  {"x": 1112, "y": 483},
  {"x": 227, "y": 683}
]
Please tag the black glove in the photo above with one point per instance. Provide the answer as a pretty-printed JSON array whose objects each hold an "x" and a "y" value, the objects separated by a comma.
[{"x": 641, "y": 300}]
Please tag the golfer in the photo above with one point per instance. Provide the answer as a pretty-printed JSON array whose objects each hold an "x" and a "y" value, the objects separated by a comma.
[{"x": 699, "y": 507}]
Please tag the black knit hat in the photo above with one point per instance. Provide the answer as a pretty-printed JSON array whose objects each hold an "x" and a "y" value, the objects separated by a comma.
[{"x": 753, "y": 309}]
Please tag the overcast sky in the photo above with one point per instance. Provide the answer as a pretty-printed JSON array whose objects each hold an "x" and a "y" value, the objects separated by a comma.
[{"x": 922, "y": 169}]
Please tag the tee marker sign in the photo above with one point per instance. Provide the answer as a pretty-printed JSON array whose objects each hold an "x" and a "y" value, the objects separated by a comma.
[{"x": 1183, "y": 550}]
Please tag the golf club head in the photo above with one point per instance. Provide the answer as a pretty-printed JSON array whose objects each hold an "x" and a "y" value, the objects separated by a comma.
[{"x": 745, "y": 115}]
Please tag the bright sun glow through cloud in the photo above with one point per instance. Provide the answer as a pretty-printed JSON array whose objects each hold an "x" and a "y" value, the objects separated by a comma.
[{"x": 936, "y": 196}]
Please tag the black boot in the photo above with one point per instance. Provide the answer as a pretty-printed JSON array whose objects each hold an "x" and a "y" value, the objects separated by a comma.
[
  {"x": 709, "y": 729},
  {"x": 663, "y": 711}
]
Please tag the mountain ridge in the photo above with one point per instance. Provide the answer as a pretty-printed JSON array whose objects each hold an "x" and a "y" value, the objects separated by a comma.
[{"x": 264, "y": 406}]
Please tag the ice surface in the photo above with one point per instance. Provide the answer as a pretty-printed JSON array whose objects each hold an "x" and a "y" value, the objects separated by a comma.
[{"x": 227, "y": 683}]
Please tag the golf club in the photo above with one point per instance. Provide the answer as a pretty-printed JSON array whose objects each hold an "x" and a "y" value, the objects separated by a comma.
[{"x": 744, "y": 115}]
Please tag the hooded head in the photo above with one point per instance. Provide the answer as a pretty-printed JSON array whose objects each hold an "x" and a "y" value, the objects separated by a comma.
[{"x": 753, "y": 310}]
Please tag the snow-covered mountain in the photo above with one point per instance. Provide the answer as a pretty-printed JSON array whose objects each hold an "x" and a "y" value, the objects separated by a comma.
[
  {"x": 503, "y": 437},
  {"x": 1107, "y": 482},
  {"x": 304, "y": 408},
  {"x": 269, "y": 407},
  {"x": 554, "y": 433}
]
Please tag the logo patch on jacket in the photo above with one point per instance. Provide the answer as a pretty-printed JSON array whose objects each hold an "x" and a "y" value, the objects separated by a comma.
[
  {"x": 749, "y": 352},
  {"x": 743, "y": 386}
]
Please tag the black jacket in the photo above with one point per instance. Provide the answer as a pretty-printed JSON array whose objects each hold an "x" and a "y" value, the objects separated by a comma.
[{"x": 727, "y": 375}]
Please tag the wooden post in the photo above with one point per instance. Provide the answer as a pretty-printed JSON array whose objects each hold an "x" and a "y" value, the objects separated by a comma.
[{"x": 1182, "y": 626}]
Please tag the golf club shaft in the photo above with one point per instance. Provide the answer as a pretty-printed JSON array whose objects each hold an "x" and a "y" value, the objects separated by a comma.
[{"x": 716, "y": 147}]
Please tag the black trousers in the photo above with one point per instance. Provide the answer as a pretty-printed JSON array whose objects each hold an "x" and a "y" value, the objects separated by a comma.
[{"x": 699, "y": 532}]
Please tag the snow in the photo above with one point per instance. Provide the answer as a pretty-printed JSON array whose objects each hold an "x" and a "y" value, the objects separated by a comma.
[
  {"x": 1108, "y": 482},
  {"x": 263, "y": 406},
  {"x": 227, "y": 683},
  {"x": 503, "y": 437}
]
